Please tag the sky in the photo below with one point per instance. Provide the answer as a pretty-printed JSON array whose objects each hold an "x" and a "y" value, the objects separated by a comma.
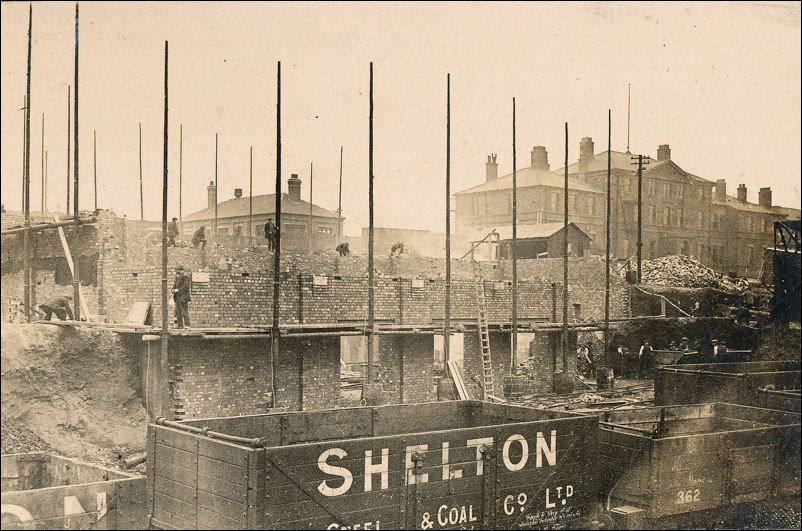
[{"x": 719, "y": 82}]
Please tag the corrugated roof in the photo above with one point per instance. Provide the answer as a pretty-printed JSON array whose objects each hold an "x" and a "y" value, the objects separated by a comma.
[
  {"x": 530, "y": 177},
  {"x": 262, "y": 204},
  {"x": 537, "y": 230}
]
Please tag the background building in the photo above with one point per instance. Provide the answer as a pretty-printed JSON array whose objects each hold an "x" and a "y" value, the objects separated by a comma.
[
  {"x": 681, "y": 212},
  {"x": 326, "y": 226}
]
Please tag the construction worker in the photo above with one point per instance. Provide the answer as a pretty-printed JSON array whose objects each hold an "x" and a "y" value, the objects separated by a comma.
[
  {"x": 181, "y": 296},
  {"x": 343, "y": 249},
  {"x": 397, "y": 249},
  {"x": 60, "y": 306},
  {"x": 645, "y": 357},
  {"x": 237, "y": 235},
  {"x": 172, "y": 232},
  {"x": 199, "y": 238},
  {"x": 270, "y": 234}
]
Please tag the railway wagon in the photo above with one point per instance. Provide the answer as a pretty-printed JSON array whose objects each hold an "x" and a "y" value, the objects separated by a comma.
[
  {"x": 737, "y": 383},
  {"x": 787, "y": 400},
  {"x": 668, "y": 462},
  {"x": 458, "y": 464},
  {"x": 46, "y": 491}
]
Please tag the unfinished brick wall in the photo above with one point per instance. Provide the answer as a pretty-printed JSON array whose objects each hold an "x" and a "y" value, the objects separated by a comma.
[{"x": 308, "y": 375}]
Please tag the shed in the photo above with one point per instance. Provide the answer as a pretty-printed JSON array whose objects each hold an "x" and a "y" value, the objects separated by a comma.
[{"x": 542, "y": 240}]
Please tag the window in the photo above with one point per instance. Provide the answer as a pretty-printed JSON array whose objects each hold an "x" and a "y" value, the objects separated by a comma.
[
  {"x": 666, "y": 189},
  {"x": 651, "y": 187},
  {"x": 652, "y": 214},
  {"x": 324, "y": 230},
  {"x": 553, "y": 202},
  {"x": 681, "y": 190},
  {"x": 666, "y": 215},
  {"x": 591, "y": 206},
  {"x": 686, "y": 248},
  {"x": 540, "y": 216},
  {"x": 572, "y": 203},
  {"x": 681, "y": 218},
  {"x": 651, "y": 249},
  {"x": 714, "y": 220}
]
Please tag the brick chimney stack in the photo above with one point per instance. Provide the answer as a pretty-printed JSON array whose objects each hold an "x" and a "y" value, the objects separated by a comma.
[
  {"x": 764, "y": 197},
  {"x": 238, "y": 192},
  {"x": 742, "y": 193},
  {"x": 721, "y": 191},
  {"x": 663, "y": 152},
  {"x": 585, "y": 153},
  {"x": 211, "y": 192},
  {"x": 540, "y": 158},
  {"x": 294, "y": 187},
  {"x": 491, "y": 168}
]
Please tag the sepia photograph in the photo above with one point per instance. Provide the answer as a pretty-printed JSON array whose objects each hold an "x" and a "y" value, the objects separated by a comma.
[{"x": 401, "y": 265}]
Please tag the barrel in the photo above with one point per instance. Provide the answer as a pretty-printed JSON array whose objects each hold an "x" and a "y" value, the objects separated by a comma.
[{"x": 514, "y": 386}]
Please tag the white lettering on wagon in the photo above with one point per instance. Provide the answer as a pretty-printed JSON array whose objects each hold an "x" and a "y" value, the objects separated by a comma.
[{"x": 415, "y": 454}]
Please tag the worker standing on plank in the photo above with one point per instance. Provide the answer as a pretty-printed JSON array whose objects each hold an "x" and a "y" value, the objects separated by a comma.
[
  {"x": 181, "y": 296},
  {"x": 172, "y": 232},
  {"x": 60, "y": 306},
  {"x": 270, "y": 234},
  {"x": 199, "y": 238}
]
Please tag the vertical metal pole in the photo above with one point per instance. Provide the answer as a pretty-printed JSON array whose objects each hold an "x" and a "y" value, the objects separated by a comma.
[
  {"x": 69, "y": 120},
  {"x": 628, "y": 115},
  {"x": 181, "y": 178},
  {"x": 94, "y": 162},
  {"x": 514, "y": 253},
  {"x": 45, "y": 185},
  {"x": 369, "y": 372},
  {"x": 250, "y": 198},
  {"x": 447, "y": 328},
  {"x": 215, "y": 189},
  {"x": 274, "y": 336},
  {"x": 164, "y": 391},
  {"x": 340, "y": 201},
  {"x": 76, "y": 286},
  {"x": 311, "y": 223},
  {"x": 141, "y": 193},
  {"x": 640, "y": 223},
  {"x": 607, "y": 238},
  {"x": 43, "y": 164},
  {"x": 26, "y": 202},
  {"x": 565, "y": 261}
]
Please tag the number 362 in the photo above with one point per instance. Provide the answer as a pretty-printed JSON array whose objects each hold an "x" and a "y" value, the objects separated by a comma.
[{"x": 687, "y": 496}]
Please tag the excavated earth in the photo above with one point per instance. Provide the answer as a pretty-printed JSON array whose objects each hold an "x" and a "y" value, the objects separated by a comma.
[{"x": 70, "y": 391}]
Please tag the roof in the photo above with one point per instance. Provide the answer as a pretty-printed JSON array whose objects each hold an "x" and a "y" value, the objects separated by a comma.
[
  {"x": 262, "y": 204},
  {"x": 537, "y": 230},
  {"x": 529, "y": 177},
  {"x": 733, "y": 202},
  {"x": 623, "y": 161}
]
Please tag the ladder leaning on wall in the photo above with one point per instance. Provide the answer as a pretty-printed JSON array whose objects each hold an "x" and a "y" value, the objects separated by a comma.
[{"x": 484, "y": 335}]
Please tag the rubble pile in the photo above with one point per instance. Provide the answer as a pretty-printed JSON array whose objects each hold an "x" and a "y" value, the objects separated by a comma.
[
  {"x": 683, "y": 271},
  {"x": 17, "y": 439}
]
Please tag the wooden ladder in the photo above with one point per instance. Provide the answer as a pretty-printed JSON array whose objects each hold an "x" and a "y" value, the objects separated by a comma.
[{"x": 484, "y": 334}]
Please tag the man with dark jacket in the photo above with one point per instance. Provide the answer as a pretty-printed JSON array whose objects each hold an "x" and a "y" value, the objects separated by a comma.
[
  {"x": 172, "y": 232},
  {"x": 58, "y": 305},
  {"x": 199, "y": 238},
  {"x": 645, "y": 359},
  {"x": 181, "y": 296},
  {"x": 270, "y": 234}
]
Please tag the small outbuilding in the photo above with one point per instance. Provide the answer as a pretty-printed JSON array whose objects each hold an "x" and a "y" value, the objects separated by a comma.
[{"x": 542, "y": 240}]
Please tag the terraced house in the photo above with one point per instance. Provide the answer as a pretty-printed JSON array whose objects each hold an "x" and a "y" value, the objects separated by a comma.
[{"x": 682, "y": 213}]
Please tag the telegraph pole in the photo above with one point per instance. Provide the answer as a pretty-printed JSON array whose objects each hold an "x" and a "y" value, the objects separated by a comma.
[
  {"x": 69, "y": 116},
  {"x": 565, "y": 261},
  {"x": 26, "y": 203},
  {"x": 94, "y": 162},
  {"x": 43, "y": 164},
  {"x": 340, "y": 201},
  {"x": 447, "y": 327},
  {"x": 607, "y": 238},
  {"x": 165, "y": 410},
  {"x": 141, "y": 193},
  {"x": 45, "y": 184},
  {"x": 369, "y": 371},
  {"x": 215, "y": 188},
  {"x": 641, "y": 161},
  {"x": 76, "y": 285},
  {"x": 250, "y": 199},
  {"x": 514, "y": 249},
  {"x": 274, "y": 334},
  {"x": 181, "y": 178},
  {"x": 311, "y": 223}
]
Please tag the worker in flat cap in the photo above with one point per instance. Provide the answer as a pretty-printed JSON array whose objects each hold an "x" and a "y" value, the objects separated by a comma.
[
  {"x": 181, "y": 296},
  {"x": 172, "y": 232}
]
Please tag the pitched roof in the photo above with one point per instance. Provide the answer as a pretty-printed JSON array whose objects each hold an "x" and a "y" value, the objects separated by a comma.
[
  {"x": 529, "y": 177},
  {"x": 537, "y": 230},
  {"x": 262, "y": 204},
  {"x": 733, "y": 202}
]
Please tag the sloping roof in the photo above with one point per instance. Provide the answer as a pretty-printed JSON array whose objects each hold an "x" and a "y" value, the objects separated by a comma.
[
  {"x": 623, "y": 161},
  {"x": 262, "y": 204},
  {"x": 537, "y": 230},
  {"x": 733, "y": 202},
  {"x": 529, "y": 177}
]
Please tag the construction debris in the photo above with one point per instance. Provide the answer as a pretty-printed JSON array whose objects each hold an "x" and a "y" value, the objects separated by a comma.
[{"x": 683, "y": 271}]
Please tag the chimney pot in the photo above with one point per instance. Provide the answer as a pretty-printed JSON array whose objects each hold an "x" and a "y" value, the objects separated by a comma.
[
  {"x": 211, "y": 195},
  {"x": 294, "y": 187},
  {"x": 764, "y": 197},
  {"x": 721, "y": 190},
  {"x": 540, "y": 158},
  {"x": 663, "y": 152},
  {"x": 742, "y": 193},
  {"x": 491, "y": 168}
]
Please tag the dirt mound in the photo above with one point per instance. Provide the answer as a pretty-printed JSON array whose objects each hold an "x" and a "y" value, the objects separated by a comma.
[
  {"x": 72, "y": 390},
  {"x": 683, "y": 271},
  {"x": 779, "y": 343}
]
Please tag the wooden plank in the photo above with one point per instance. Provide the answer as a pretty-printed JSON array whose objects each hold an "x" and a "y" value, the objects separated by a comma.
[
  {"x": 233, "y": 510},
  {"x": 176, "y": 456},
  {"x": 346, "y": 505},
  {"x": 150, "y": 491},
  {"x": 256, "y": 493},
  {"x": 365, "y": 518},
  {"x": 211, "y": 520},
  {"x": 175, "y": 438},
  {"x": 221, "y": 487},
  {"x": 174, "y": 489},
  {"x": 221, "y": 470},
  {"x": 175, "y": 473},
  {"x": 175, "y": 506},
  {"x": 223, "y": 451}
]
